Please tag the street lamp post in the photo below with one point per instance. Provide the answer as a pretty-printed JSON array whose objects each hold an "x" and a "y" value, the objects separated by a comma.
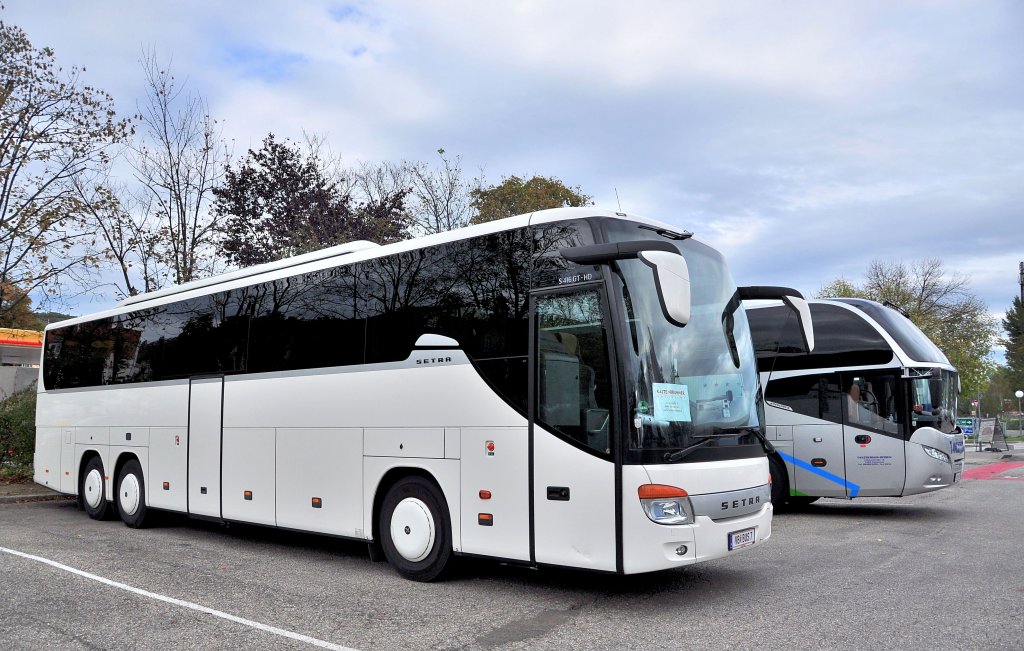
[{"x": 1019, "y": 394}]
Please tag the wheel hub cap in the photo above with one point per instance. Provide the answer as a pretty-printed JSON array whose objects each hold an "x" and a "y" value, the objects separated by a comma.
[
  {"x": 412, "y": 529},
  {"x": 128, "y": 495},
  {"x": 93, "y": 488}
]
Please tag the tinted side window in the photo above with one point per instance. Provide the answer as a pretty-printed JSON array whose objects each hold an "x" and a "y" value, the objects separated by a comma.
[
  {"x": 305, "y": 321},
  {"x": 474, "y": 291},
  {"x": 871, "y": 401},
  {"x": 548, "y": 265},
  {"x": 817, "y": 396}
]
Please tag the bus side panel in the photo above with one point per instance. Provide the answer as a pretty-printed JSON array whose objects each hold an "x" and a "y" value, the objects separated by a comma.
[
  {"x": 68, "y": 462},
  {"x": 575, "y": 528},
  {"x": 496, "y": 460},
  {"x": 325, "y": 464},
  {"x": 47, "y": 458},
  {"x": 166, "y": 484},
  {"x": 249, "y": 475},
  {"x": 820, "y": 466},
  {"x": 875, "y": 465}
]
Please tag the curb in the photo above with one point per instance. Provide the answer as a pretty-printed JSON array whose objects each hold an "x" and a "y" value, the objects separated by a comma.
[{"x": 34, "y": 497}]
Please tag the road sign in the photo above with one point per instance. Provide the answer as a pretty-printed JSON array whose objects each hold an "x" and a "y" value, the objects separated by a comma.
[{"x": 966, "y": 424}]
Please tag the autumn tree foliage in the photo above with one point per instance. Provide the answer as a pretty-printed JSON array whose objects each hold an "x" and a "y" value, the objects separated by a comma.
[
  {"x": 516, "y": 196},
  {"x": 53, "y": 129},
  {"x": 940, "y": 303}
]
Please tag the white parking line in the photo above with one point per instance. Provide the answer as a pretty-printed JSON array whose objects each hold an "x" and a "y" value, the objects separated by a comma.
[{"x": 185, "y": 604}]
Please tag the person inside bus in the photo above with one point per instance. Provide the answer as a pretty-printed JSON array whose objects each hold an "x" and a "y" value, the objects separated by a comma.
[{"x": 856, "y": 412}]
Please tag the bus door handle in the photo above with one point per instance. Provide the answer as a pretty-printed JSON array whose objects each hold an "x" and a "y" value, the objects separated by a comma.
[
  {"x": 558, "y": 493},
  {"x": 818, "y": 439}
]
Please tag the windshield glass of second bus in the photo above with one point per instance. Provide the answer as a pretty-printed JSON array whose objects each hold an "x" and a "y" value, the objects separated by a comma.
[
  {"x": 687, "y": 385},
  {"x": 933, "y": 400}
]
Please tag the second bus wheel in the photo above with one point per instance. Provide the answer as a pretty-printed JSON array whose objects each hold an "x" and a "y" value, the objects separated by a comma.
[
  {"x": 415, "y": 530},
  {"x": 91, "y": 486},
  {"x": 131, "y": 495},
  {"x": 780, "y": 485}
]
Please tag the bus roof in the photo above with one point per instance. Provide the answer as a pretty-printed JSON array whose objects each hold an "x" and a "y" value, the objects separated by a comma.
[{"x": 348, "y": 253}]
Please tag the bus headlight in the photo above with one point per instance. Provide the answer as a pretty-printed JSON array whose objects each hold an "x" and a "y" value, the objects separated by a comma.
[
  {"x": 666, "y": 504},
  {"x": 936, "y": 454}
]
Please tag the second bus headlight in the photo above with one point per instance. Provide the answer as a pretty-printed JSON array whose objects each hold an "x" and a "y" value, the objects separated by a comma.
[
  {"x": 936, "y": 454},
  {"x": 666, "y": 504}
]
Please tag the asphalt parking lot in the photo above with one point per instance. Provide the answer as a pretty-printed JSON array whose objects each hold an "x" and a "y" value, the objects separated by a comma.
[{"x": 939, "y": 571}]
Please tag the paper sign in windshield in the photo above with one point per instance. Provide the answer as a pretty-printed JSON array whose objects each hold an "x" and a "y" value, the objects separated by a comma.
[{"x": 671, "y": 402}]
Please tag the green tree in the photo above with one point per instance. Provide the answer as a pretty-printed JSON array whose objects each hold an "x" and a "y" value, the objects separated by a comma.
[
  {"x": 514, "y": 196},
  {"x": 1013, "y": 329},
  {"x": 940, "y": 304},
  {"x": 53, "y": 129},
  {"x": 280, "y": 202}
]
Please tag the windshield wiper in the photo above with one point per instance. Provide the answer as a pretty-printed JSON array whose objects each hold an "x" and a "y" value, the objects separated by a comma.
[
  {"x": 756, "y": 431},
  {"x": 679, "y": 454},
  {"x": 720, "y": 432}
]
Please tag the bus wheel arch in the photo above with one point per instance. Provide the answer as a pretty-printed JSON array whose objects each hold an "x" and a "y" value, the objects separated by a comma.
[
  {"x": 92, "y": 486},
  {"x": 780, "y": 481},
  {"x": 412, "y": 524}
]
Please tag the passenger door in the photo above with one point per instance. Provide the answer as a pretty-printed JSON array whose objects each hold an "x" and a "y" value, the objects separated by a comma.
[
  {"x": 205, "y": 405},
  {"x": 873, "y": 434},
  {"x": 573, "y": 467}
]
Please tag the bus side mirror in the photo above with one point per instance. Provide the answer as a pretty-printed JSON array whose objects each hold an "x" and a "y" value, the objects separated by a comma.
[
  {"x": 793, "y": 299},
  {"x": 803, "y": 314},
  {"x": 672, "y": 280},
  {"x": 671, "y": 275}
]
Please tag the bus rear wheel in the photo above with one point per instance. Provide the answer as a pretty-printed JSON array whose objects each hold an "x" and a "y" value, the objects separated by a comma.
[
  {"x": 131, "y": 495},
  {"x": 91, "y": 488},
  {"x": 415, "y": 530}
]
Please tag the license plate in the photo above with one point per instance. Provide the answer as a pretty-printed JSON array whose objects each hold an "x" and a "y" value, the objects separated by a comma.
[{"x": 738, "y": 539}]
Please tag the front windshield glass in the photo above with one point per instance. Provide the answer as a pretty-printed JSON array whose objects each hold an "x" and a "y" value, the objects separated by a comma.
[
  {"x": 933, "y": 400},
  {"x": 687, "y": 385}
]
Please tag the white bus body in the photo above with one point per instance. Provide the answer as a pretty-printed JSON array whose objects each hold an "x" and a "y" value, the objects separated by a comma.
[
  {"x": 467, "y": 393},
  {"x": 871, "y": 412}
]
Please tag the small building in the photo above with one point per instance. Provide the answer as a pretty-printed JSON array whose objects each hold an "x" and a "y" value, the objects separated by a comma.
[{"x": 20, "y": 355}]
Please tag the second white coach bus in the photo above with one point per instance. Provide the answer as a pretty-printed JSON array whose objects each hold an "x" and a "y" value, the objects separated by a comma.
[
  {"x": 569, "y": 388},
  {"x": 870, "y": 412}
]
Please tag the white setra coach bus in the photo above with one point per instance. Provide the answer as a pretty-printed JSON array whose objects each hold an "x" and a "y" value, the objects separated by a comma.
[
  {"x": 870, "y": 412},
  {"x": 570, "y": 388}
]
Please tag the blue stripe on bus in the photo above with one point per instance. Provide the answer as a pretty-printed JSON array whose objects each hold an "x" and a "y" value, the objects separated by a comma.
[{"x": 853, "y": 488}]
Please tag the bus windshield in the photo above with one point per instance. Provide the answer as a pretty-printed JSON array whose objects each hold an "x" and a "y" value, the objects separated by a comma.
[
  {"x": 687, "y": 386},
  {"x": 933, "y": 400}
]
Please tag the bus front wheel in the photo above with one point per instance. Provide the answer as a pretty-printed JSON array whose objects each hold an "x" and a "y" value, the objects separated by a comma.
[
  {"x": 415, "y": 530},
  {"x": 780, "y": 485},
  {"x": 131, "y": 495},
  {"x": 91, "y": 488}
]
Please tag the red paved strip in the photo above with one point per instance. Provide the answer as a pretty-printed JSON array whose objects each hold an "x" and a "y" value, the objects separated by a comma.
[{"x": 991, "y": 470}]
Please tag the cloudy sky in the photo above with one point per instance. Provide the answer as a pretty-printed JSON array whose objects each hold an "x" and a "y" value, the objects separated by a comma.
[{"x": 803, "y": 139}]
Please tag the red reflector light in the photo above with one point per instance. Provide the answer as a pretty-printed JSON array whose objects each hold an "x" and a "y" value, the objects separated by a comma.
[
  {"x": 485, "y": 495},
  {"x": 167, "y": 485},
  {"x": 660, "y": 491},
  {"x": 247, "y": 495},
  {"x": 317, "y": 503}
]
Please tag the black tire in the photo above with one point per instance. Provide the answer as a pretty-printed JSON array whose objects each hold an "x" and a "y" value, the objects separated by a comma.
[
  {"x": 91, "y": 489},
  {"x": 421, "y": 549},
  {"x": 131, "y": 495},
  {"x": 780, "y": 484}
]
